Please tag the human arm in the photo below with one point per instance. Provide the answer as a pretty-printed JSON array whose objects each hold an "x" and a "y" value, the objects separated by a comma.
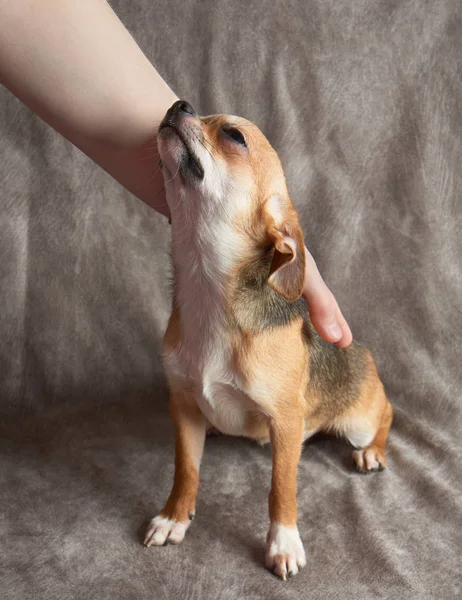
[{"x": 80, "y": 70}]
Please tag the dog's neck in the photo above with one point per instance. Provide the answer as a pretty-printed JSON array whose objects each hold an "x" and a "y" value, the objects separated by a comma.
[
  {"x": 204, "y": 252},
  {"x": 216, "y": 287}
]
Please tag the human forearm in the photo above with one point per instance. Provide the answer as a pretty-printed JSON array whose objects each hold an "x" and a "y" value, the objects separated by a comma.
[{"x": 76, "y": 66}]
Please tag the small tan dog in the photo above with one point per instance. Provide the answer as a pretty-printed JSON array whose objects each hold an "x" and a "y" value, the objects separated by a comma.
[{"x": 240, "y": 351}]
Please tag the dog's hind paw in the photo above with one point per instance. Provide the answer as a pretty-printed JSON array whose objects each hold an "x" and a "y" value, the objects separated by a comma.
[{"x": 370, "y": 459}]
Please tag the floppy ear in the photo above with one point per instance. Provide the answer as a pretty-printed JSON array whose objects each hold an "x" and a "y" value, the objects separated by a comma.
[{"x": 287, "y": 272}]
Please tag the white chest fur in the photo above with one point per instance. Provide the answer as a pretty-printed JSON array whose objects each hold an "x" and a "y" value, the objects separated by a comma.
[
  {"x": 203, "y": 254},
  {"x": 208, "y": 372}
]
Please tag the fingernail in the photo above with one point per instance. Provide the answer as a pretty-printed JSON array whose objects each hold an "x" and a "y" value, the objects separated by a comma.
[{"x": 335, "y": 330}]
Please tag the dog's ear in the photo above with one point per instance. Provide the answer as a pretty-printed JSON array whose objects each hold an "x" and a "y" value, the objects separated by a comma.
[{"x": 287, "y": 272}]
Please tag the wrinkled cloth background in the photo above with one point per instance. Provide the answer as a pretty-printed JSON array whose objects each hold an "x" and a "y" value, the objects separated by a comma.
[{"x": 363, "y": 101}]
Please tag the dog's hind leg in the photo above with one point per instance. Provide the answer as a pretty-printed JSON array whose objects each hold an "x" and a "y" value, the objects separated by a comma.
[
  {"x": 366, "y": 425},
  {"x": 372, "y": 457}
]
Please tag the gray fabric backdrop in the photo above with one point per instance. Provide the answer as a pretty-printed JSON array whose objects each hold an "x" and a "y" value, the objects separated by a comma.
[{"x": 363, "y": 101}]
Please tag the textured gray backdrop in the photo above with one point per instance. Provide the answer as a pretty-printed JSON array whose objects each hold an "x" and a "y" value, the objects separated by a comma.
[{"x": 363, "y": 101}]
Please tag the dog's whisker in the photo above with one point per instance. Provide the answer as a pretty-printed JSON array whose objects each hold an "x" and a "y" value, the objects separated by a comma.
[
  {"x": 201, "y": 142},
  {"x": 155, "y": 155}
]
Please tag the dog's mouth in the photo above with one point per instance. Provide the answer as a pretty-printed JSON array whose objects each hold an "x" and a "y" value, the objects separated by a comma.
[{"x": 190, "y": 160}]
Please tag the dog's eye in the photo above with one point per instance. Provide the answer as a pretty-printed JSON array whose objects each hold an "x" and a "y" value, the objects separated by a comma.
[{"x": 234, "y": 134}]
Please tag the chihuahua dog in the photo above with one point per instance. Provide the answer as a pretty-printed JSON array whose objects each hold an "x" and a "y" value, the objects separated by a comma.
[{"x": 240, "y": 352}]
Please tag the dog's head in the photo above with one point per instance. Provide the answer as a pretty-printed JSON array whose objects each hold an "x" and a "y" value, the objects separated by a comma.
[{"x": 225, "y": 182}]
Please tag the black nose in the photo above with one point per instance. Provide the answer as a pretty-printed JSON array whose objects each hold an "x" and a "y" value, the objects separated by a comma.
[
  {"x": 180, "y": 109},
  {"x": 182, "y": 106}
]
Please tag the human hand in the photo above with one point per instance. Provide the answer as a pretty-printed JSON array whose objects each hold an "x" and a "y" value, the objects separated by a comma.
[{"x": 324, "y": 311}]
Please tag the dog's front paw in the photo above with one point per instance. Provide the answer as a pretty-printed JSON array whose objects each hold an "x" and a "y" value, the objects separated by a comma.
[
  {"x": 285, "y": 555},
  {"x": 162, "y": 532}
]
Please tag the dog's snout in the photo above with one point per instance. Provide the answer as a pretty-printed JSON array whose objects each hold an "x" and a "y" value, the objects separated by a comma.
[
  {"x": 183, "y": 106},
  {"x": 181, "y": 109},
  {"x": 186, "y": 125}
]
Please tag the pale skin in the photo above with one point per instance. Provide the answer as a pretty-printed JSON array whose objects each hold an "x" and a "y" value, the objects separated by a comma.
[{"x": 77, "y": 67}]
